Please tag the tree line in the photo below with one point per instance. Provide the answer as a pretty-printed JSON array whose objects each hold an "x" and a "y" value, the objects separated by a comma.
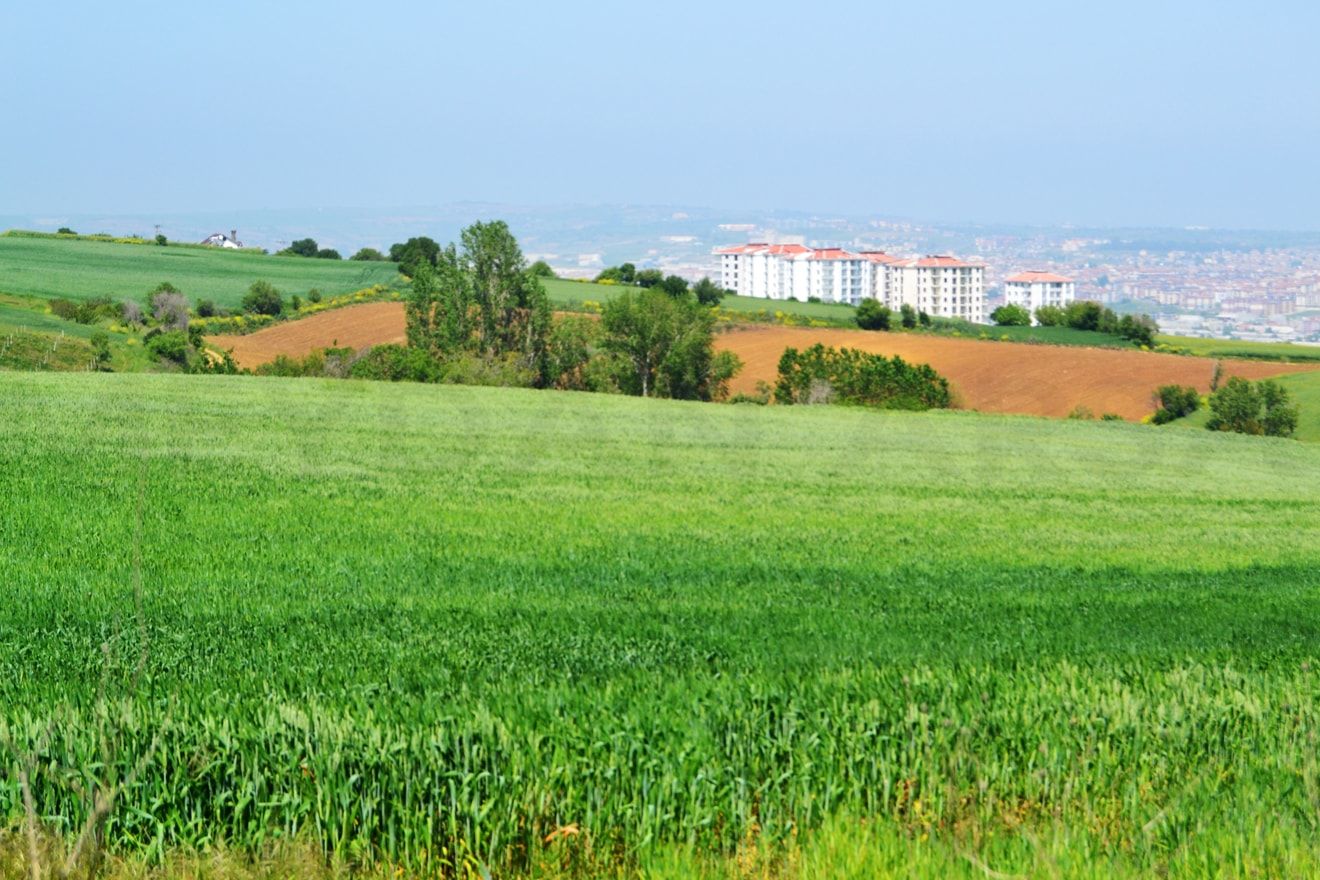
[
  {"x": 707, "y": 292},
  {"x": 1082, "y": 315},
  {"x": 477, "y": 307}
]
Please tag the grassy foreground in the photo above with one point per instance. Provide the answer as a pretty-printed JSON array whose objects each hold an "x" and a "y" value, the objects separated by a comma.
[
  {"x": 50, "y": 267},
  {"x": 562, "y": 634}
]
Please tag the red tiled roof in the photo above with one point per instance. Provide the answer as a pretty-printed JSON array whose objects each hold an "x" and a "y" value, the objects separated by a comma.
[
  {"x": 760, "y": 247},
  {"x": 1033, "y": 276},
  {"x": 940, "y": 261},
  {"x": 881, "y": 257},
  {"x": 831, "y": 254}
]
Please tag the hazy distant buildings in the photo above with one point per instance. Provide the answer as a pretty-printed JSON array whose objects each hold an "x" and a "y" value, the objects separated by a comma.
[
  {"x": 938, "y": 285},
  {"x": 1031, "y": 290}
]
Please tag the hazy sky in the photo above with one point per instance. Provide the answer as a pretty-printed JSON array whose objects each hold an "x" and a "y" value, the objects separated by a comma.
[{"x": 1152, "y": 113}]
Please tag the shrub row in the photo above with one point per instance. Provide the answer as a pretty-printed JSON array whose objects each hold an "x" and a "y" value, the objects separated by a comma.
[{"x": 828, "y": 375}]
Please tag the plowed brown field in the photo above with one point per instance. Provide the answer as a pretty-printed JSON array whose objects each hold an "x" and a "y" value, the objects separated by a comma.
[
  {"x": 1007, "y": 377},
  {"x": 350, "y": 327}
]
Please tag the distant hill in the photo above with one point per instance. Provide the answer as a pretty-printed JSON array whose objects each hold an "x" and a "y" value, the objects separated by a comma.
[{"x": 48, "y": 267}]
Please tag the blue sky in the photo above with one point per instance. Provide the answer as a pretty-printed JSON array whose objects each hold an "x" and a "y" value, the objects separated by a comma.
[{"x": 1157, "y": 113}]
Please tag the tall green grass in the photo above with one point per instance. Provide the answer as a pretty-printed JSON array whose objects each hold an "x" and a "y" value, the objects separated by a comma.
[{"x": 438, "y": 624}]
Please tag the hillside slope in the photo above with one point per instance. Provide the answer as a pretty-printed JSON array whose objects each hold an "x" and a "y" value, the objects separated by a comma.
[
  {"x": 48, "y": 268},
  {"x": 403, "y": 619}
]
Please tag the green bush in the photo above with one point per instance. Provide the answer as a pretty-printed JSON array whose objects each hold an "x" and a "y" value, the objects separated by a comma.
[
  {"x": 414, "y": 253},
  {"x": 847, "y": 376},
  {"x": 263, "y": 299},
  {"x": 872, "y": 315},
  {"x": 1051, "y": 316},
  {"x": 171, "y": 345},
  {"x": 395, "y": 363},
  {"x": 206, "y": 308},
  {"x": 1264, "y": 408},
  {"x": 218, "y": 365},
  {"x": 1175, "y": 402},
  {"x": 908, "y": 316},
  {"x": 1138, "y": 329},
  {"x": 708, "y": 293},
  {"x": 303, "y": 247},
  {"x": 86, "y": 311},
  {"x": 100, "y": 342},
  {"x": 1084, "y": 315},
  {"x": 1011, "y": 316},
  {"x": 1095, "y": 318}
]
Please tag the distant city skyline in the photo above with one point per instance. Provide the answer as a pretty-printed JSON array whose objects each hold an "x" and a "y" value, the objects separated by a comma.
[{"x": 1176, "y": 114}]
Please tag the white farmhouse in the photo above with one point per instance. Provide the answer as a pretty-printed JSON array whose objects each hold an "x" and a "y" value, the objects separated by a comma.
[
  {"x": 219, "y": 239},
  {"x": 1031, "y": 290}
]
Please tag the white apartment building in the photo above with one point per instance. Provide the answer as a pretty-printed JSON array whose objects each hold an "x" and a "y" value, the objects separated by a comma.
[
  {"x": 793, "y": 271},
  {"x": 1031, "y": 290},
  {"x": 938, "y": 285}
]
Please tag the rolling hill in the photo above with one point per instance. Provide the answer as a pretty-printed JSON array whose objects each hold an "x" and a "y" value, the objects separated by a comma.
[{"x": 49, "y": 267}]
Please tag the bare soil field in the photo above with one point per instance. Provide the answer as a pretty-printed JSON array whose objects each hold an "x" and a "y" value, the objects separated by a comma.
[
  {"x": 1005, "y": 377},
  {"x": 352, "y": 327}
]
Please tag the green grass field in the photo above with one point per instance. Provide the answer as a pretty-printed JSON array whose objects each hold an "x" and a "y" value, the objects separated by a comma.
[
  {"x": 47, "y": 268},
  {"x": 1236, "y": 348},
  {"x": 564, "y": 292},
  {"x": 432, "y": 623},
  {"x": 1057, "y": 336}
]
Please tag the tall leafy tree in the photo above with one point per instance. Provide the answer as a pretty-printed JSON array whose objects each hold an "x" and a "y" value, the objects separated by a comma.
[
  {"x": 667, "y": 344},
  {"x": 871, "y": 315},
  {"x": 303, "y": 247},
  {"x": 707, "y": 292},
  {"x": 411, "y": 254},
  {"x": 481, "y": 298}
]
